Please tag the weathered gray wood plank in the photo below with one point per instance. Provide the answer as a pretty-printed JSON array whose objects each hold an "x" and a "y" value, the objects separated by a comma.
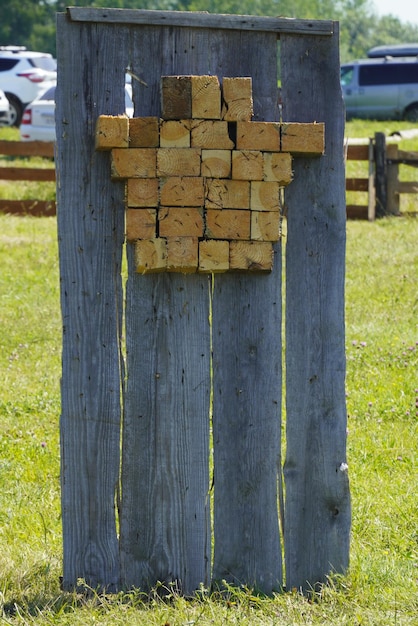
[
  {"x": 91, "y": 66},
  {"x": 202, "y": 20},
  {"x": 165, "y": 518},
  {"x": 317, "y": 513},
  {"x": 247, "y": 380}
]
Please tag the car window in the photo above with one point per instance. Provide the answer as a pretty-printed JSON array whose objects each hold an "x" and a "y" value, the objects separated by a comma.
[
  {"x": 347, "y": 75},
  {"x": 49, "y": 94},
  {"x": 388, "y": 74},
  {"x": 44, "y": 63},
  {"x": 7, "y": 64}
]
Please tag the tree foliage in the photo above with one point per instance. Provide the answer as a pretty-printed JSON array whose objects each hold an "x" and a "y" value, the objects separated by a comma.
[{"x": 31, "y": 23}]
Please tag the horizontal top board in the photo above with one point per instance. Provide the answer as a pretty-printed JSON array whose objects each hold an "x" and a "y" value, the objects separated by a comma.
[{"x": 202, "y": 20}]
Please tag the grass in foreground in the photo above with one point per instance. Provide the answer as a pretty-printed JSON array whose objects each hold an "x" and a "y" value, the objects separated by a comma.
[{"x": 381, "y": 587}]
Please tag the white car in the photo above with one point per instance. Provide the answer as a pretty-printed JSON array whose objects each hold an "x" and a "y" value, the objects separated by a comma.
[
  {"x": 38, "y": 121},
  {"x": 4, "y": 110},
  {"x": 23, "y": 76}
]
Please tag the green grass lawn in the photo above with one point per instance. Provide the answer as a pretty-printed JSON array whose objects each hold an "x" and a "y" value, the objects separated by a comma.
[{"x": 382, "y": 396}]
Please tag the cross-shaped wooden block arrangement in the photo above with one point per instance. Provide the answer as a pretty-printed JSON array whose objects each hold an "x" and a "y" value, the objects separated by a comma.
[{"x": 203, "y": 182}]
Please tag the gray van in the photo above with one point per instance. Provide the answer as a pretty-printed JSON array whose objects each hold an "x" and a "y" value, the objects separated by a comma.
[{"x": 383, "y": 86}]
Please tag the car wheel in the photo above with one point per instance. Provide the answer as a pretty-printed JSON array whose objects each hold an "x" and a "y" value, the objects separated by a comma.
[
  {"x": 15, "y": 111},
  {"x": 411, "y": 114}
]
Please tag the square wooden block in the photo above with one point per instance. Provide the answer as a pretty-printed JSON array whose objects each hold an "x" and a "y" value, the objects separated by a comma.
[
  {"x": 253, "y": 256},
  {"x": 265, "y": 225},
  {"x": 216, "y": 163},
  {"x": 206, "y": 97},
  {"x": 227, "y": 194},
  {"x": 265, "y": 195},
  {"x": 263, "y": 136},
  {"x": 182, "y": 191},
  {"x": 247, "y": 165},
  {"x": 112, "y": 132},
  {"x": 142, "y": 192},
  {"x": 134, "y": 163},
  {"x": 175, "y": 133},
  {"x": 144, "y": 132},
  {"x": 211, "y": 134},
  {"x": 182, "y": 254},
  {"x": 228, "y": 224},
  {"x": 151, "y": 255},
  {"x": 176, "y": 97},
  {"x": 278, "y": 167},
  {"x": 213, "y": 256},
  {"x": 178, "y": 161},
  {"x": 140, "y": 224},
  {"x": 237, "y": 99},
  {"x": 180, "y": 222},
  {"x": 303, "y": 139}
]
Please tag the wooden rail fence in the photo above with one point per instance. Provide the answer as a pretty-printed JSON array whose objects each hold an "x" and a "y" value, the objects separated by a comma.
[
  {"x": 15, "y": 149},
  {"x": 382, "y": 183}
]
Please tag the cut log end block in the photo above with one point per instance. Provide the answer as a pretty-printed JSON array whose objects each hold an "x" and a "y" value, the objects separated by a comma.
[
  {"x": 211, "y": 134},
  {"x": 265, "y": 226},
  {"x": 237, "y": 99},
  {"x": 144, "y": 132},
  {"x": 213, "y": 256},
  {"x": 140, "y": 224},
  {"x": 278, "y": 167},
  {"x": 133, "y": 163},
  {"x": 151, "y": 255},
  {"x": 185, "y": 97},
  {"x": 303, "y": 139},
  {"x": 112, "y": 132},
  {"x": 254, "y": 256},
  {"x": 216, "y": 163},
  {"x": 227, "y": 194},
  {"x": 178, "y": 162},
  {"x": 182, "y": 254},
  {"x": 265, "y": 196},
  {"x": 228, "y": 224},
  {"x": 175, "y": 133},
  {"x": 186, "y": 191},
  {"x": 247, "y": 165},
  {"x": 180, "y": 222},
  {"x": 206, "y": 97},
  {"x": 142, "y": 192},
  {"x": 263, "y": 136}
]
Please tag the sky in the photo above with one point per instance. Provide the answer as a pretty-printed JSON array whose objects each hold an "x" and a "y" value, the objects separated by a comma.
[{"x": 404, "y": 10}]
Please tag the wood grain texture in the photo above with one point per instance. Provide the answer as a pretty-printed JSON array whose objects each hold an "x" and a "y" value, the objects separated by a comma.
[
  {"x": 90, "y": 233},
  {"x": 199, "y": 20},
  {"x": 317, "y": 514},
  {"x": 165, "y": 515},
  {"x": 247, "y": 379}
]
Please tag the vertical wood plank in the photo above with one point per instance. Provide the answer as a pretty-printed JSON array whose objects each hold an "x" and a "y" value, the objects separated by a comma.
[
  {"x": 247, "y": 353},
  {"x": 165, "y": 519},
  {"x": 317, "y": 512},
  {"x": 91, "y": 66}
]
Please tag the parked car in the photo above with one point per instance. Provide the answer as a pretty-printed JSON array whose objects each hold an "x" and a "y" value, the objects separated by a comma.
[
  {"x": 382, "y": 87},
  {"x": 4, "y": 109},
  {"x": 38, "y": 121},
  {"x": 24, "y": 74}
]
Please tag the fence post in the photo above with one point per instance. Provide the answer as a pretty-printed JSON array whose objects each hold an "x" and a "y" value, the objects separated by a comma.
[
  {"x": 381, "y": 174},
  {"x": 371, "y": 203},
  {"x": 393, "y": 196}
]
